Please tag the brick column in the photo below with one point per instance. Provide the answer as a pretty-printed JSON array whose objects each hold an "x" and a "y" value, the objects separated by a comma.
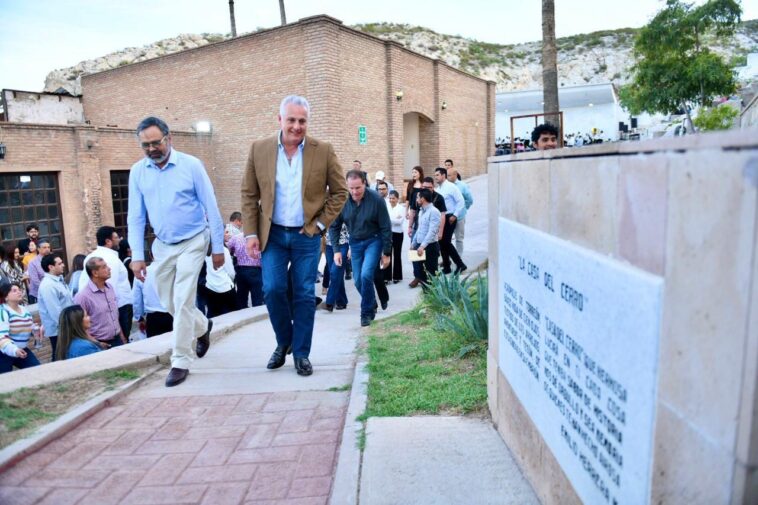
[
  {"x": 490, "y": 147},
  {"x": 395, "y": 109},
  {"x": 94, "y": 189},
  {"x": 321, "y": 58}
]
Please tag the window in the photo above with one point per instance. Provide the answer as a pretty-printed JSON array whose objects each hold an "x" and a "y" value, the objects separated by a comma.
[
  {"x": 31, "y": 198},
  {"x": 120, "y": 196}
]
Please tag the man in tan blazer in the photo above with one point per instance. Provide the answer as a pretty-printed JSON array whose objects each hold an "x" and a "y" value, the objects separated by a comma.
[{"x": 292, "y": 190}]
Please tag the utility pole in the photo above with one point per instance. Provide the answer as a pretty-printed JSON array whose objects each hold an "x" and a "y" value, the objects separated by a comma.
[
  {"x": 281, "y": 11},
  {"x": 549, "y": 64},
  {"x": 231, "y": 16}
]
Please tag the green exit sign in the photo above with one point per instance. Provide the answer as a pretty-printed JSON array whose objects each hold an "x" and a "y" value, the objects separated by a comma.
[{"x": 362, "y": 137}]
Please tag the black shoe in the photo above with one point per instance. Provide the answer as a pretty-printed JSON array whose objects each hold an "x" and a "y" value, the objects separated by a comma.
[
  {"x": 461, "y": 269},
  {"x": 396, "y": 281},
  {"x": 446, "y": 271},
  {"x": 341, "y": 307},
  {"x": 328, "y": 307},
  {"x": 278, "y": 357},
  {"x": 319, "y": 300},
  {"x": 176, "y": 376},
  {"x": 204, "y": 341},
  {"x": 303, "y": 366},
  {"x": 384, "y": 304},
  {"x": 348, "y": 276},
  {"x": 366, "y": 320}
]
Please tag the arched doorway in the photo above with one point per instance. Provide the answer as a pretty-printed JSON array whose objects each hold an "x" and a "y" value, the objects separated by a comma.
[{"x": 416, "y": 140}]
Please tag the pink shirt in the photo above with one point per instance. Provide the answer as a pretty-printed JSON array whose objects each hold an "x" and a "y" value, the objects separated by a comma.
[
  {"x": 237, "y": 245},
  {"x": 102, "y": 309}
]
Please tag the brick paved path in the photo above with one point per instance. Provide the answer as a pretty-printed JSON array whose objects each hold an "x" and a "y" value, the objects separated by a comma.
[{"x": 272, "y": 448}]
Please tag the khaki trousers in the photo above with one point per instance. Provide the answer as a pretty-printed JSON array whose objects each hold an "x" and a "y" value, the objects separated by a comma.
[{"x": 176, "y": 269}]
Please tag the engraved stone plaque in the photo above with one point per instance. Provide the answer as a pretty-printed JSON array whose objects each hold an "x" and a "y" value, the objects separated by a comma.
[{"x": 579, "y": 345}]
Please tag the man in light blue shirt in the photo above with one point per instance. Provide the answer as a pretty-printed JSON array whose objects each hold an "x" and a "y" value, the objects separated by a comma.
[
  {"x": 53, "y": 297},
  {"x": 468, "y": 199},
  {"x": 174, "y": 191},
  {"x": 455, "y": 206}
]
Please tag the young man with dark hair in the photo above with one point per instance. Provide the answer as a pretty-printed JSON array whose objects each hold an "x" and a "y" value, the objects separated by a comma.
[
  {"x": 108, "y": 241},
  {"x": 32, "y": 235},
  {"x": 54, "y": 296},
  {"x": 36, "y": 273},
  {"x": 545, "y": 136},
  {"x": 234, "y": 226},
  {"x": 425, "y": 240},
  {"x": 455, "y": 206}
]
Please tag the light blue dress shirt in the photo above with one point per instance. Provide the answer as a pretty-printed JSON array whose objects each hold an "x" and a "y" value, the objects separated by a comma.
[
  {"x": 177, "y": 198},
  {"x": 54, "y": 296},
  {"x": 453, "y": 198},
  {"x": 288, "y": 196},
  {"x": 145, "y": 297},
  {"x": 468, "y": 198}
]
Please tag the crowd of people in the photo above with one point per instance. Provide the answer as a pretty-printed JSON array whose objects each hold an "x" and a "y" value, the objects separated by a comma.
[
  {"x": 527, "y": 142},
  {"x": 297, "y": 204}
]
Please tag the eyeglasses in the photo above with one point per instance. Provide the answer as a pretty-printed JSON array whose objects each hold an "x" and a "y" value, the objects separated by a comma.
[{"x": 154, "y": 144}]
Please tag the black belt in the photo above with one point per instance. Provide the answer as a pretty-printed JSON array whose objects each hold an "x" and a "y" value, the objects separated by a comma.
[{"x": 287, "y": 228}]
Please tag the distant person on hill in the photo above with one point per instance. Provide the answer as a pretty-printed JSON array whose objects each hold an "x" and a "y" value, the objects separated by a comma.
[
  {"x": 74, "y": 339},
  {"x": 545, "y": 136}
]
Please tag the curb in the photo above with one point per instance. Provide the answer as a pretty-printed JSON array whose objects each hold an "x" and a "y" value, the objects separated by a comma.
[
  {"x": 347, "y": 477},
  {"x": 65, "y": 423},
  {"x": 155, "y": 350}
]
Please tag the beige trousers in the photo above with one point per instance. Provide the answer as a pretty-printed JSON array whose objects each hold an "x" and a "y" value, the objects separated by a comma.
[
  {"x": 176, "y": 269},
  {"x": 460, "y": 232}
]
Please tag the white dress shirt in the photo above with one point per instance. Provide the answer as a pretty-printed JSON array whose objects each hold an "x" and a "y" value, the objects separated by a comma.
[{"x": 119, "y": 276}]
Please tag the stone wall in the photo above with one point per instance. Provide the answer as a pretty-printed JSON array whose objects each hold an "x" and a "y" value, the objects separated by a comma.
[
  {"x": 83, "y": 157},
  {"x": 45, "y": 108},
  {"x": 685, "y": 210},
  {"x": 349, "y": 77}
]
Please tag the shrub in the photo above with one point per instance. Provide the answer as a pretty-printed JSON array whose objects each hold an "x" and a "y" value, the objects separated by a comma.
[
  {"x": 459, "y": 306},
  {"x": 716, "y": 118}
]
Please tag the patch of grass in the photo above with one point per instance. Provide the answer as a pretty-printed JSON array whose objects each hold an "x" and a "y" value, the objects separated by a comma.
[
  {"x": 417, "y": 369},
  {"x": 20, "y": 409},
  {"x": 24, "y": 410},
  {"x": 345, "y": 387},
  {"x": 361, "y": 442}
]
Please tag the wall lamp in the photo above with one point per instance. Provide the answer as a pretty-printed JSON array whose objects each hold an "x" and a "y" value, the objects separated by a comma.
[
  {"x": 203, "y": 127},
  {"x": 444, "y": 105},
  {"x": 2, "y": 151},
  {"x": 399, "y": 95}
]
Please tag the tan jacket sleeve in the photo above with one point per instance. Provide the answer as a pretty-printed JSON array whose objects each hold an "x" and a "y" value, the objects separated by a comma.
[
  {"x": 250, "y": 196},
  {"x": 335, "y": 179}
]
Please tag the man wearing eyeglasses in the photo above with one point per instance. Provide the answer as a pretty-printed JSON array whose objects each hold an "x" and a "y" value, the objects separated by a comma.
[{"x": 174, "y": 191}]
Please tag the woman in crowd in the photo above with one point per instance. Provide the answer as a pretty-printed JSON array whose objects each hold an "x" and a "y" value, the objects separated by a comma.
[
  {"x": 414, "y": 186},
  {"x": 77, "y": 267},
  {"x": 219, "y": 284},
  {"x": 16, "y": 325},
  {"x": 74, "y": 339},
  {"x": 14, "y": 269},
  {"x": 29, "y": 255},
  {"x": 397, "y": 216}
]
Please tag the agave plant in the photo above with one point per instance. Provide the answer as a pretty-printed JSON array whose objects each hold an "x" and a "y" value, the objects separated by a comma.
[{"x": 460, "y": 306}]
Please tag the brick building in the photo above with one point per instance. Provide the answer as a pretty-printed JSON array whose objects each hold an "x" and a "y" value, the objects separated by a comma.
[{"x": 413, "y": 110}]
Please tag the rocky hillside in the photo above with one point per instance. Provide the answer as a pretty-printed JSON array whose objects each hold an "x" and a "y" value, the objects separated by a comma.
[{"x": 588, "y": 58}]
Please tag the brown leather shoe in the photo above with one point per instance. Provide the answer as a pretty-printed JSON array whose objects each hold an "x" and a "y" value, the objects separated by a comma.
[
  {"x": 204, "y": 341},
  {"x": 176, "y": 376},
  {"x": 414, "y": 283}
]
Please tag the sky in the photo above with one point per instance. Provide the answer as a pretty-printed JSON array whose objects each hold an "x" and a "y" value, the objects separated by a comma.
[{"x": 43, "y": 35}]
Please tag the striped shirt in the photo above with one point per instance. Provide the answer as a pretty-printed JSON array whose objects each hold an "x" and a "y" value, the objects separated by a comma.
[{"x": 19, "y": 327}]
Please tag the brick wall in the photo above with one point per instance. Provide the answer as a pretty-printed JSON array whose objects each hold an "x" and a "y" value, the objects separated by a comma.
[{"x": 349, "y": 77}]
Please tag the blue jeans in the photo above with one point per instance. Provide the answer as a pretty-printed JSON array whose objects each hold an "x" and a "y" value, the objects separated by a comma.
[
  {"x": 288, "y": 249},
  {"x": 7, "y": 363},
  {"x": 249, "y": 284},
  {"x": 336, "y": 295},
  {"x": 365, "y": 256}
]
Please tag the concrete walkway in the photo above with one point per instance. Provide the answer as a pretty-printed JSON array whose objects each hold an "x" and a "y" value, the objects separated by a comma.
[{"x": 236, "y": 432}]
